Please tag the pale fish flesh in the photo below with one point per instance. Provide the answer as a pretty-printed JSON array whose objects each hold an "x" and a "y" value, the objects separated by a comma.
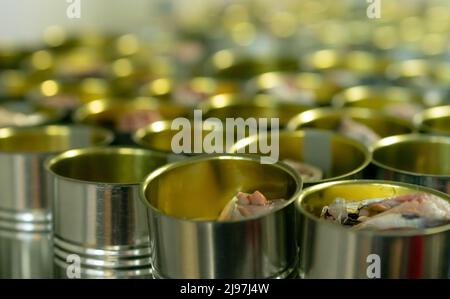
[
  {"x": 307, "y": 172},
  {"x": 245, "y": 205},
  {"x": 357, "y": 131},
  {"x": 410, "y": 211}
]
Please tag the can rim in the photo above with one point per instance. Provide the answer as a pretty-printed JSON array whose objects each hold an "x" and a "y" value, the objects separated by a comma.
[
  {"x": 289, "y": 170},
  {"x": 108, "y": 136},
  {"x": 366, "y": 152},
  {"x": 299, "y": 121},
  {"x": 421, "y": 232},
  {"x": 430, "y": 114},
  {"x": 396, "y": 139},
  {"x": 97, "y": 149}
]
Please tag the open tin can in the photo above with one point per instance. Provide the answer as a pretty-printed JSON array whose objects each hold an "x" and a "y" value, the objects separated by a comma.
[
  {"x": 124, "y": 116},
  {"x": 190, "y": 92},
  {"x": 225, "y": 106},
  {"x": 413, "y": 158},
  {"x": 393, "y": 100},
  {"x": 307, "y": 88},
  {"x": 98, "y": 219},
  {"x": 331, "y": 250},
  {"x": 25, "y": 205},
  {"x": 377, "y": 124},
  {"x": 187, "y": 239},
  {"x": 160, "y": 137},
  {"x": 335, "y": 156},
  {"x": 434, "y": 120}
]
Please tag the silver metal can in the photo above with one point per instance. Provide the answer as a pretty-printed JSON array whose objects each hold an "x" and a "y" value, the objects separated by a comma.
[
  {"x": 330, "y": 250},
  {"x": 100, "y": 226},
  {"x": 25, "y": 205},
  {"x": 184, "y": 200},
  {"x": 413, "y": 158}
]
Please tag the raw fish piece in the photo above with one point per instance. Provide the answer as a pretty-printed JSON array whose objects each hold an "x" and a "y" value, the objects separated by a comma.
[
  {"x": 247, "y": 205},
  {"x": 307, "y": 172},
  {"x": 409, "y": 211},
  {"x": 358, "y": 131}
]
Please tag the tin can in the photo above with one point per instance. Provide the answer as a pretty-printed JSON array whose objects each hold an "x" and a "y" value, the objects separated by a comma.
[
  {"x": 188, "y": 242},
  {"x": 308, "y": 88},
  {"x": 330, "y": 250},
  {"x": 225, "y": 106},
  {"x": 190, "y": 92},
  {"x": 25, "y": 205},
  {"x": 434, "y": 120},
  {"x": 124, "y": 116},
  {"x": 337, "y": 157},
  {"x": 161, "y": 137},
  {"x": 414, "y": 158},
  {"x": 237, "y": 65},
  {"x": 393, "y": 100},
  {"x": 98, "y": 220},
  {"x": 330, "y": 118}
]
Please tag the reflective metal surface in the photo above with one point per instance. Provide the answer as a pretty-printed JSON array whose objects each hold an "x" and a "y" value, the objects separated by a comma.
[
  {"x": 416, "y": 159},
  {"x": 337, "y": 156},
  {"x": 97, "y": 212},
  {"x": 376, "y": 97},
  {"x": 330, "y": 250},
  {"x": 260, "y": 106},
  {"x": 330, "y": 118},
  {"x": 434, "y": 120},
  {"x": 236, "y": 65},
  {"x": 159, "y": 136},
  {"x": 312, "y": 88},
  {"x": 25, "y": 204},
  {"x": 188, "y": 242},
  {"x": 109, "y": 112}
]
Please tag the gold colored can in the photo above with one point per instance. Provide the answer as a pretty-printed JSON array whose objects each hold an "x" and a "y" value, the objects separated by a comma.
[
  {"x": 307, "y": 88},
  {"x": 434, "y": 120},
  {"x": 191, "y": 92},
  {"x": 125, "y": 116},
  {"x": 232, "y": 64},
  {"x": 393, "y": 100},
  {"x": 414, "y": 158},
  {"x": 336, "y": 156},
  {"x": 260, "y": 106},
  {"x": 330, "y": 119}
]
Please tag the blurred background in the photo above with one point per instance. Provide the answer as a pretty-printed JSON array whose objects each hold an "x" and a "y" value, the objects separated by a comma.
[{"x": 186, "y": 51}]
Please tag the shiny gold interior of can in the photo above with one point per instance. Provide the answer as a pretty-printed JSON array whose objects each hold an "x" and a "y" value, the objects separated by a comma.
[
  {"x": 110, "y": 111},
  {"x": 411, "y": 68},
  {"x": 234, "y": 65},
  {"x": 357, "y": 61},
  {"x": 51, "y": 138},
  {"x": 321, "y": 89},
  {"x": 435, "y": 120},
  {"x": 416, "y": 154},
  {"x": 159, "y": 135},
  {"x": 200, "y": 190},
  {"x": 208, "y": 86},
  {"x": 376, "y": 97},
  {"x": 225, "y": 106},
  {"x": 336, "y": 155},
  {"x": 314, "y": 200},
  {"x": 106, "y": 165},
  {"x": 330, "y": 118}
]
